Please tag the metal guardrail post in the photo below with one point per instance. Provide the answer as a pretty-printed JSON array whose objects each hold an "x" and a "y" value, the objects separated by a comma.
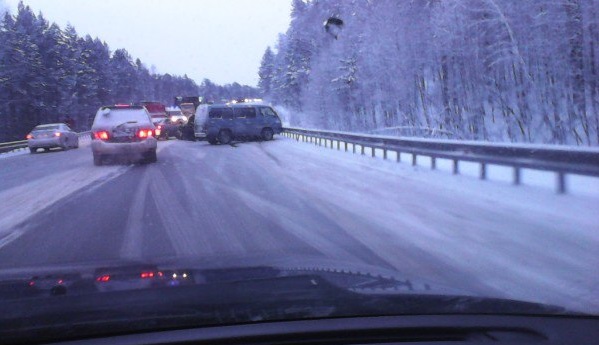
[
  {"x": 517, "y": 176},
  {"x": 559, "y": 160},
  {"x": 561, "y": 182}
]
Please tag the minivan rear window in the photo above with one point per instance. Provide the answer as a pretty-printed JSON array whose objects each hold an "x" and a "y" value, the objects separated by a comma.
[{"x": 221, "y": 113}]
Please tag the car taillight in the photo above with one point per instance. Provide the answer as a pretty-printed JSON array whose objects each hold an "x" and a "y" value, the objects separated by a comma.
[
  {"x": 57, "y": 134},
  {"x": 104, "y": 278},
  {"x": 29, "y": 136},
  {"x": 147, "y": 275},
  {"x": 144, "y": 133},
  {"x": 101, "y": 135}
]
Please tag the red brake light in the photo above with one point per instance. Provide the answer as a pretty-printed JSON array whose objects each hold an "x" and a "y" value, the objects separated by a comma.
[
  {"x": 103, "y": 278},
  {"x": 144, "y": 133},
  {"x": 101, "y": 135},
  {"x": 147, "y": 275},
  {"x": 29, "y": 136},
  {"x": 57, "y": 134}
]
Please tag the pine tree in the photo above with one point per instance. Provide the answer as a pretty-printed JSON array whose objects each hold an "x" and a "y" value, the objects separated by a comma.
[{"x": 266, "y": 72}]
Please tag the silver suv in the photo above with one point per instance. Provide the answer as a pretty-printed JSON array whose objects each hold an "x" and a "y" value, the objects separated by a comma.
[
  {"x": 126, "y": 131},
  {"x": 223, "y": 123}
]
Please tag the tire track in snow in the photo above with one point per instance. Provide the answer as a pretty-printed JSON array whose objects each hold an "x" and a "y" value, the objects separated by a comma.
[{"x": 27, "y": 200}]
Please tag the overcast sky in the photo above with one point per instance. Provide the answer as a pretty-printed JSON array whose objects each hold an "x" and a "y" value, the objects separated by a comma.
[{"x": 222, "y": 40}]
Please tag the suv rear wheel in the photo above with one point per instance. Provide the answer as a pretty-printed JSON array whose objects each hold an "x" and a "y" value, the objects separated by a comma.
[
  {"x": 224, "y": 137},
  {"x": 267, "y": 134},
  {"x": 150, "y": 157},
  {"x": 98, "y": 159}
]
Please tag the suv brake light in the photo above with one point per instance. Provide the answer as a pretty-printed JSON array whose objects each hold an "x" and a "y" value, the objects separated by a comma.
[
  {"x": 103, "y": 278},
  {"x": 144, "y": 133},
  {"x": 101, "y": 135},
  {"x": 29, "y": 136},
  {"x": 147, "y": 275}
]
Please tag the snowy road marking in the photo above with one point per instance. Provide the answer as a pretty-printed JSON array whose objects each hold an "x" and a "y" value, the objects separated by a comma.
[{"x": 131, "y": 248}]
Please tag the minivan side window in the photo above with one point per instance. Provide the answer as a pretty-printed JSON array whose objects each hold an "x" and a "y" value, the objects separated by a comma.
[
  {"x": 221, "y": 113},
  {"x": 245, "y": 112},
  {"x": 267, "y": 112}
]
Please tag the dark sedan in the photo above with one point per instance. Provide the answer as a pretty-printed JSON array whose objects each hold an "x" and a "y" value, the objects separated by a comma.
[{"x": 166, "y": 129}]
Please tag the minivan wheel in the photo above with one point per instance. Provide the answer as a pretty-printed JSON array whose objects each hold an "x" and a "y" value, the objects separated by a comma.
[
  {"x": 212, "y": 141},
  {"x": 267, "y": 134},
  {"x": 224, "y": 137}
]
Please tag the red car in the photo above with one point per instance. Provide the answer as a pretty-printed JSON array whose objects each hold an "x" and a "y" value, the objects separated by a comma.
[{"x": 157, "y": 112}]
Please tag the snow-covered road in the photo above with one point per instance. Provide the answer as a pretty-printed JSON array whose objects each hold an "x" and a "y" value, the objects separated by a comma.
[{"x": 286, "y": 200}]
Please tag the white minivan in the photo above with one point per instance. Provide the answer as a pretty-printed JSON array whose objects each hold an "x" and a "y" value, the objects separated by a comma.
[{"x": 123, "y": 131}]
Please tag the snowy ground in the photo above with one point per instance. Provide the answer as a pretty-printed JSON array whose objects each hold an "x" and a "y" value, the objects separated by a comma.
[
  {"x": 576, "y": 184},
  {"x": 285, "y": 199},
  {"x": 513, "y": 238}
]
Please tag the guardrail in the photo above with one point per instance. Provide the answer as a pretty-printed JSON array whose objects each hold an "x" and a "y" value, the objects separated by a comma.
[
  {"x": 14, "y": 145},
  {"x": 560, "y": 160}
]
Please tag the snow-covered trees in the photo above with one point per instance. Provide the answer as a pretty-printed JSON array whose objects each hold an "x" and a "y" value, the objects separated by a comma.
[
  {"x": 48, "y": 73},
  {"x": 266, "y": 71},
  {"x": 502, "y": 70}
]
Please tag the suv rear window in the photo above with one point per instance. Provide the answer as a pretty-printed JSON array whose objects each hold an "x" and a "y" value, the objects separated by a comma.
[
  {"x": 118, "y": 116},
  {"x": 221, "y": 113}
]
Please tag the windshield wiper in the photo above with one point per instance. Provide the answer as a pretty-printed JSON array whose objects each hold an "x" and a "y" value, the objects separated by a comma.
[{"x": 124, "y": 123}]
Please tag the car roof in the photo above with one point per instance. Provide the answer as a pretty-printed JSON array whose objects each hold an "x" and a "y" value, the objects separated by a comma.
[
  {"x": 50, "y": 124},
  {"x": 237, "y": 105},
  {"x": 123, "y": 107}
]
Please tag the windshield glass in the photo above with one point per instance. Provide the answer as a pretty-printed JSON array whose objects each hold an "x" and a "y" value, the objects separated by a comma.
[{"x": 295, "y": 159}]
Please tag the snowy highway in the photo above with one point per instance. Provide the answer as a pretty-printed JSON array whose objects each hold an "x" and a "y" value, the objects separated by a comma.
[{"x": 285, "y": 199}]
